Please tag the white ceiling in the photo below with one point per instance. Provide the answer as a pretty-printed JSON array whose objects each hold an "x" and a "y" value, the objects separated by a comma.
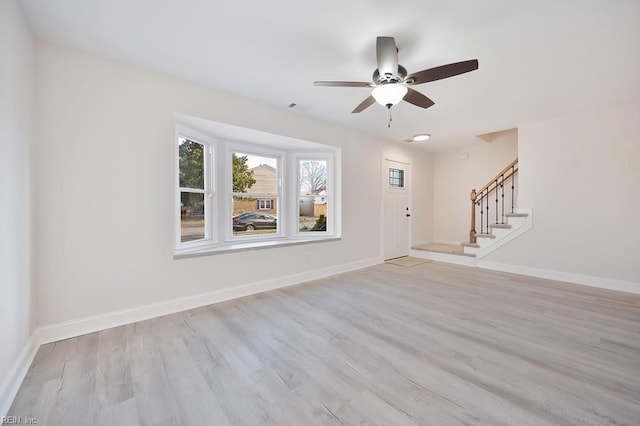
[{"x": 538, "y": 59}]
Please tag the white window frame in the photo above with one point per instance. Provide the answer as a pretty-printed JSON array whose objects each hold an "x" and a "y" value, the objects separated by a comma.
[
  {"x": 330, "y": 190},
  {"x": 265, "y": 204},
  {"x": 221, "y": 140},
  {"x": 390, "y": 185},
  {"x": 259, "y": 151},
  {"x": 210, "y": 235}
]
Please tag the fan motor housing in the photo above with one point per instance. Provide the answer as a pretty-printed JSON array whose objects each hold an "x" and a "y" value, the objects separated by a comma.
[{"x": 384, "y": 79}]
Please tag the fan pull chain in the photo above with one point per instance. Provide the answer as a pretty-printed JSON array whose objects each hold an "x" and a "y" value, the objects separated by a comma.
[{"x": 390, "y": 118}]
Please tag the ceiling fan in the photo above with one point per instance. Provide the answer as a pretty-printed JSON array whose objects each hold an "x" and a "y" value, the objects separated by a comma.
[{"x": 390, "y": 79}]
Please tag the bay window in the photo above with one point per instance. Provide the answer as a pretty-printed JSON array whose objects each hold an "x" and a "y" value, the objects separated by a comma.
[{"x": 239, "y": 188}]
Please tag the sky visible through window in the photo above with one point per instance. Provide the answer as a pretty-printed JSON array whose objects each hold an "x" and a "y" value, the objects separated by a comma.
[{"x": 256, "y": 160}]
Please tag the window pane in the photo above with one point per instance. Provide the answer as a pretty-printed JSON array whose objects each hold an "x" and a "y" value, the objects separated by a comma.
[
  {"x": 191, "y": 163},
  {"x": 313, "y": 177},
  {"x": 254, "y": 173},
  {"x": 312, "y": 199},
  {"x": 191, "y": 216},
  {"x": 396, "y": 178},
  {"x": 313, "y": 214},
  {"x": 265, "y": 204},
  {"x": 249, "y": 219}
]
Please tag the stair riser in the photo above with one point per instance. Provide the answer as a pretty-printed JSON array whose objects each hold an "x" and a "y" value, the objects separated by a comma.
[{"x": 517, "y": 224}]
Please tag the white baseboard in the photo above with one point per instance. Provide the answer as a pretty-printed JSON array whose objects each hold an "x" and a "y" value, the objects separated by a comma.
[
  {"x": 11, "y": 383},
  {"x": 444, "y": 257},
  {"x": 64, "y": 330},
  {"x": 591, "y": 281},
  {"x": 68, "y": 329},
  {"x": 424, "y": 242}
]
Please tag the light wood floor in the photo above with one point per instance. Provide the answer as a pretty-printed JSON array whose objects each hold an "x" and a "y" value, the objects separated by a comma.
[{"x": 433, "y": 344}]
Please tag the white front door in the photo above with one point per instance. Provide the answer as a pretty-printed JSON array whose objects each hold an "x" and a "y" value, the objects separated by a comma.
[{"x": 396, "y": 209}]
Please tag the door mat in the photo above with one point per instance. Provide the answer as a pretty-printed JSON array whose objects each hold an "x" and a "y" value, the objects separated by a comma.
[{"x": 408, "y": 261}]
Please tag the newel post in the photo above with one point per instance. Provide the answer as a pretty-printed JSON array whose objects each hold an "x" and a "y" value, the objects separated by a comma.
[{"x": 472, "y": 233}]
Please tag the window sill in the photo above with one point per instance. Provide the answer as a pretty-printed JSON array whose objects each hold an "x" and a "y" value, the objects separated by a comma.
[{"x": 246, "y": 246}]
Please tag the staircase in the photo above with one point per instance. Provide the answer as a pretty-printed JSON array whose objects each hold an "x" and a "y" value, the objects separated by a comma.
[
  {"x": 495, "y": 220},
  {"x": 499, "y": 234}
]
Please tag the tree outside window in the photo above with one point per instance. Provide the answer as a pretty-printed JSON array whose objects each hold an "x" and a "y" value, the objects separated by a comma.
[
  {"x": 312, "y": 195},
  {"x": 191, "y": 171}
]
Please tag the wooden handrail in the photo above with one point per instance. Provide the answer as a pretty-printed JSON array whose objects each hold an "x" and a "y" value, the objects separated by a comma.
[
  {"x": 484, "y": 193},
  {"x": 477, "y": 196},
  {"x": 498, "y": 176}
]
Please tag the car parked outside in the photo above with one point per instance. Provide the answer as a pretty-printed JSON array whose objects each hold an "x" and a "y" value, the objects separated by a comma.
[{"x": 253, "y": 221}]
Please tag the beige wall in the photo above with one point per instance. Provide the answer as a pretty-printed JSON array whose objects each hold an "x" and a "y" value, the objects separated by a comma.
[
  {"x": 580, "y": 176},
  {"x": 106, "y": 140},
  {"x": 422, "y": 207},
  {"x": 457, "y": 172},
  {"x": 16, "y": 118}
]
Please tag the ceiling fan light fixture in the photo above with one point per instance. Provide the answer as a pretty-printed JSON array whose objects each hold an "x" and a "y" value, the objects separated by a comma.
[{"x": 389, "y": 94}]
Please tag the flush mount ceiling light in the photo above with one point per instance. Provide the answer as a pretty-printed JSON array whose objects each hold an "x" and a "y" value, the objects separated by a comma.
[{"x": 420, "y": 137}]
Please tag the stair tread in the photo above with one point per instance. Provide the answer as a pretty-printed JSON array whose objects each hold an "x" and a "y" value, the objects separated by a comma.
[
  {"x": 485, "y": 236},
  {"x": 471, "y": 245},
  {"x": 500, "y": 225},
  {"x": 516, "y": 214}
]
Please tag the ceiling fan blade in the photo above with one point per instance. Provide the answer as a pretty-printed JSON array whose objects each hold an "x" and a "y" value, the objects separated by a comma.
[
  {"x": 387, "y": 55},
  {"x": 342, "y": 83},
  {"x": 443, "y": 71},
  {"x": 364, "y": 105},
  {"x": 417, "y": 98}
]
